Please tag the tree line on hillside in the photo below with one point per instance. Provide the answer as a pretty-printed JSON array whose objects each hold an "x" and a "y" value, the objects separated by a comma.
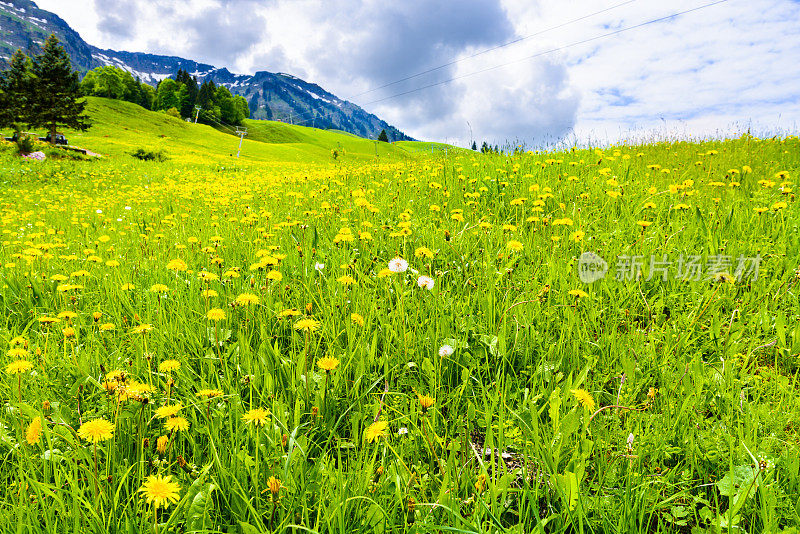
[
  {"x": 176, "y": 96},
  {"x": 42, "y": 92}
]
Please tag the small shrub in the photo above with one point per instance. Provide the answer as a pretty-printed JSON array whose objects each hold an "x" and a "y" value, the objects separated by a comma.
[
  {"x": 149, "y": 155},
  {"x": 173, "y": 112},
  {"x": 25, "y": 144}
]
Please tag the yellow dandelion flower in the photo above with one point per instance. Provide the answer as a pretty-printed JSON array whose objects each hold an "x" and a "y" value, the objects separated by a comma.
[
  {"x": 357, "y": 319},
  {"x": 161, "y": 444},
  {"x": 425, "y": 402},
  {"x": 209, "y": 393},
  {"x": 176, "y": 423},
  {"x": 177, "y": 265},
  {"x": 307, "y": 325},
  {"x": 167, "y": 366},
  {"x": 18, "y": 367},
  {"x": 34, "y": 431},
  {"x": 514, "y": 246},
  {"x": 215, "y": 314},
  {"x": 160, "y": 491},
  {"x": 376, "y": 431},
  {"x": 169, "y": 410},
  {"x": 246, "y": 299},
  {"x": 328, "y": 363},
  {"x": 96, "y": 430},
  {"x": 579, "y": 293},
  {"x": 256, "y": 416},
  {"x": 274, "y": 485},
  {"x": 585, "y": 398}
]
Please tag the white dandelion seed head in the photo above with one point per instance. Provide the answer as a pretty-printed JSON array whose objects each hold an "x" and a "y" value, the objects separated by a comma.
[
  {"x": 445, "y": 350},
  {"x": 630, "y": 440},
  {"x": 426, "y": 282},
  {"x": 319, "y": 266},
  {"x": 398, "y": 265}
]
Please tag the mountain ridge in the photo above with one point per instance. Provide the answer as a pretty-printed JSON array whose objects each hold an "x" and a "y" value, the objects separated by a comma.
[{"x": 272, "y": 96}]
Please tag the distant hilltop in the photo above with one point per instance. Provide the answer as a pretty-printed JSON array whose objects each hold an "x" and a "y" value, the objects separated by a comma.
[{"x": 272, "y": 96}]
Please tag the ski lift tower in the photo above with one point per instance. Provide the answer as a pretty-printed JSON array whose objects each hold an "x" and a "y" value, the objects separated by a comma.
[{"x": 241, "y": 132}]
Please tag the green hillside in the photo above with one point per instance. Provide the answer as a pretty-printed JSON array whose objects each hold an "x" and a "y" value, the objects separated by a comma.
[{"x": 120, "y": 127}]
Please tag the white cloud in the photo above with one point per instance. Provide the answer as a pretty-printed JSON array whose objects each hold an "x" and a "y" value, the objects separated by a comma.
[{"x": 695, "y": 74}]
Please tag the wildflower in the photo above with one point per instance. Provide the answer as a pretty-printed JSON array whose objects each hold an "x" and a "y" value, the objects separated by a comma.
[
  {"x": 107, "y": 327},
  {"x": 426, "y": 282},
  {"x": 256, "y": 417},
  {"x": 723, "y": 278},
  {"x": 142, "y": 329},
  {"x": 274, "y": 485},
  {"x": 319, "y": 266},
  {"x": 159, "y": 288},
  {"x": 68, "y": 332},
  {"x": 376, "y": 431},
  {"x": 630, "y": 442},
  {"x": 127, "y": 287},
  {"x": 423, "y": 252},
  {"x": 585, "y": 398},
  {"x": 291, "y": 312},
  {"x": 17, "y": 352},
  {"x": 209, "y": 393},
  {"x": 328, "y": 363},
  {"x": 398, "y": 265},
  {"x": 169, "y": 410},
  {"x": 481, "y": 483},
  {"x": 445, "y": 350},
  {"x": 161, "y": 444},
  {"x": 275, "y": 276},
  {"x": 167, "y": 366},
  {"x": 357, "y": 319},
  {"x": 579, "y": 293},
  {"x": 514, "y": 246},
  {"x": 177, "y": 265},
  {"x": 577, "y": 235},
  {"x": 307, "y": 325},
  {"x": 215, "y": 314},
  {"x": 209, "y": 293},
  {"x": 247, "y": 299},
  {"x": 402, "y": 431},
  {"x": 34, "y": 431},
  {"x": 160, "y": 491},
  {"x": 346, "y": 280},
  {"x": 176, "y": 423},
  {"x": 96, "y": 430},
  {"x": 383, "y": 273},
  {"x": 18, "y": 367},
  {"x": 425, "y": 402}
]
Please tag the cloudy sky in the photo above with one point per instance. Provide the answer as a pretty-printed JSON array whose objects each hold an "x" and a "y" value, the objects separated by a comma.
[{"x": 714, "y": 71}]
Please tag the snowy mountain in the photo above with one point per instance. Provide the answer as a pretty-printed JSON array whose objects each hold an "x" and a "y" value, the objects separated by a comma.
[{"x": 273, "y": 96}]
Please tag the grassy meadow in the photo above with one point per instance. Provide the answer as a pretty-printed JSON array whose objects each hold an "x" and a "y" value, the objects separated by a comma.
[{"x": 294, "y": 343}]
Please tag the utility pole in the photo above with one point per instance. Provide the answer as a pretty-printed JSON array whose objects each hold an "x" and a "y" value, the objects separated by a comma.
[
  {"x": 241, "y": 132},
  {"x": 198, "y": 108},
  {"x": 471, "y": 138}
]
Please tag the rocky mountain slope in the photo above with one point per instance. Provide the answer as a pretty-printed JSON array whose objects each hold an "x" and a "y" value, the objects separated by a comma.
[{"x": 273, "y": 96}]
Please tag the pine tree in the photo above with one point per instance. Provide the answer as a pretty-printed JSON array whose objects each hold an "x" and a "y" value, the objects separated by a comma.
[
  {"x": 474, "y": 146},
  {"x": 383, "y": 137},
  {"x": 16, "y": 87},
  {"x": 56, "y": 99}
]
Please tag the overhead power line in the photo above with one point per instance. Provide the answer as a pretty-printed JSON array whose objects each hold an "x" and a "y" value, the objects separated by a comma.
[
  {"x": 550, "y": 51},
  {"x": 538, "y": 54},
  {"x": 492, "y": 49},
  {"x": 480, "y": 52}
]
